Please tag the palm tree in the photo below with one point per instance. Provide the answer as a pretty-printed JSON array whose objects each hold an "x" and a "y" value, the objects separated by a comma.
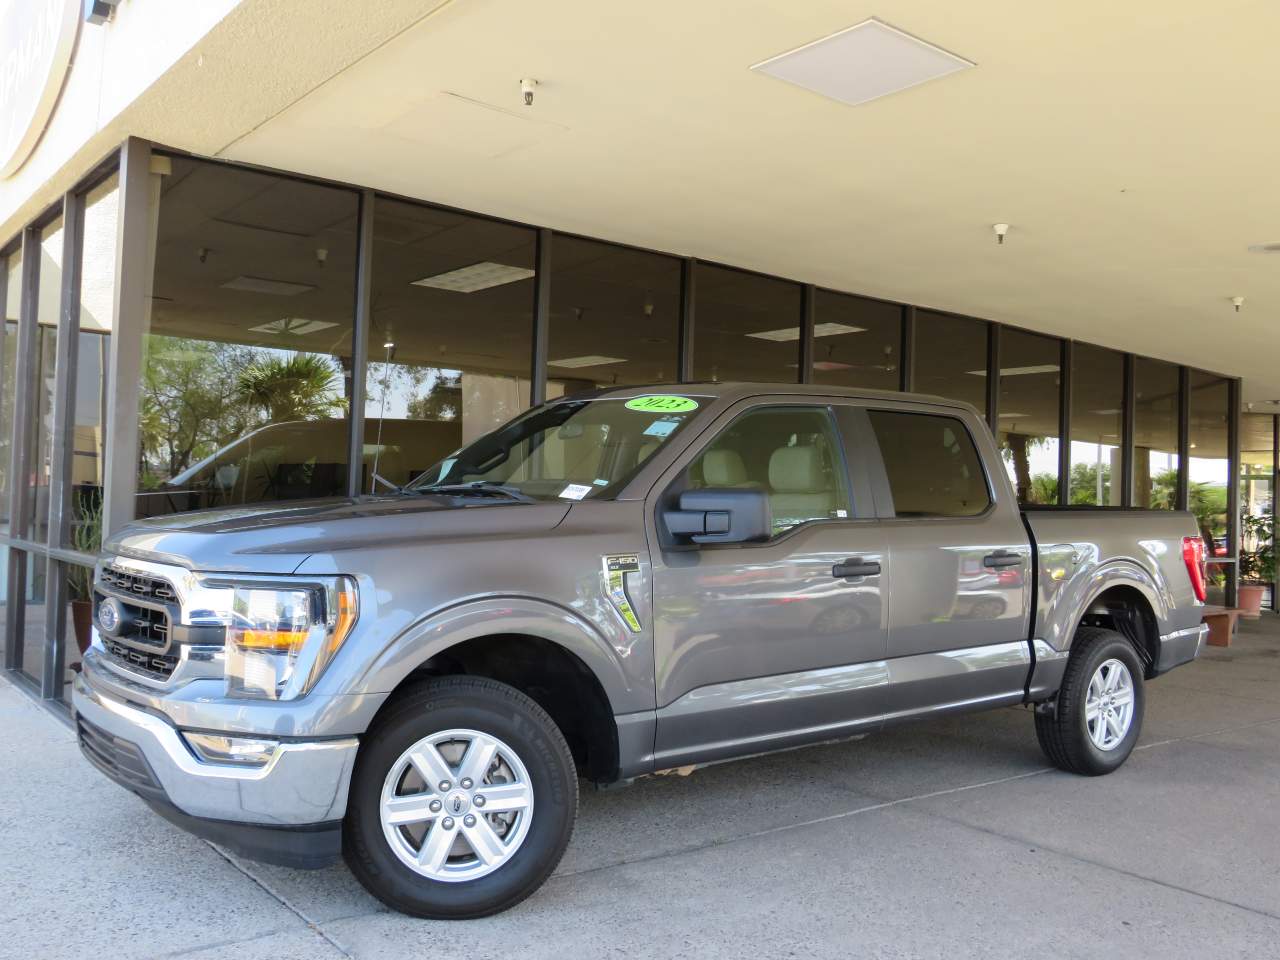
[{"x": 304, "y": 386}]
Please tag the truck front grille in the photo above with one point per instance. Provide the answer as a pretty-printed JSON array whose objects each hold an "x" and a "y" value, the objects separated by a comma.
[
  {"x": 158, "y": 666},
  {"x": 120, "y": 760},
  {"x": 143, "y": 641}
]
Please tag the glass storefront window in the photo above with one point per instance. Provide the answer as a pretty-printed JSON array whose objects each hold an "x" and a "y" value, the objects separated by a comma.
[
  {"x": 8, "y": 384},
  {"x": 951, "y": 357},
  {"x": 857, "y": 342},
  {"x": 1257, "y": 502},
  {"x": 615, "y": 317},
  {"x": 97, "y": 305},
  {"x": 1097, "y": 426},
  {"x": 1209, "y": 471},
  {"x": 79, "y": 619},
  {"x": 1155, "y": 440},
  {"x": 746, "y": 327},
  {"x": 1030, "y": 399},
  {"x": 451, "y": 338},
  {"x": 48, "y": 305},
  {"x": 33, "y": 613},
  {"x": 248, "y": 349}
]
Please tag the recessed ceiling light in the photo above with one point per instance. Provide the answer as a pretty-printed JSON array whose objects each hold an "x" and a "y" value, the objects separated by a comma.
[
  {"x": 293, "y": 325},
  {"x": 864, "y": 62},
  {"x": 279, "y": 288},
  {"x": 589, "y": 361},
  {"x": 1020, "y": 371},
  {"x": 793, "y": 333},
  {"x": 478, "y": 276}
]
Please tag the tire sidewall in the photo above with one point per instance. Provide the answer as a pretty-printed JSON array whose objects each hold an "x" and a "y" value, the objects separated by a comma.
[
  {"x": 1113, "y": 648},
  {"x": 540, "y": 748}
]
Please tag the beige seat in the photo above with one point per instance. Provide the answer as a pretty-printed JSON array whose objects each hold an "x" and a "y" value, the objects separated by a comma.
[
  {"x": 723, "y": 468},
  {"x": 799, "y": 485}
]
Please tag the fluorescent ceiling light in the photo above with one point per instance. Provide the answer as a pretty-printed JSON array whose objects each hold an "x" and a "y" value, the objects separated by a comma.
[
  {"x": 294, "y": 325},
  {"x": 279, "y": 288},
  {"x": 1014, "y": 416},
  {"x": 1106, "y": 413},
  {"x": 590, "y": 361},
  {"x": 793, "y": 333},
  {"x": 864, "y": 62},
  {"x": 478, "y": 276},
  {"x": 831, "y": 365},
  {"x": 1020, "y": 371}
]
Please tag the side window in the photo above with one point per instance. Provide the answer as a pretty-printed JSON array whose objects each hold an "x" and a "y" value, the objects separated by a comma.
[
  {"x": 934, "y": 468},
  {"x": 792, "y": 453}
]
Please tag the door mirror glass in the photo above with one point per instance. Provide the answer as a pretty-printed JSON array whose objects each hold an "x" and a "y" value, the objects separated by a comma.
[{"x": 721, "y": 516}]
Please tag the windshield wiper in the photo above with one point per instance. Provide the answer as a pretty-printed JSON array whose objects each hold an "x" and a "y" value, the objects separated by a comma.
[{"x": 481, "y": 487}]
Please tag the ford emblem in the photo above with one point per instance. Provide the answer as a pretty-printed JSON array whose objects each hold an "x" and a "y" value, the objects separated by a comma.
[{"x": 110, "y": 616}]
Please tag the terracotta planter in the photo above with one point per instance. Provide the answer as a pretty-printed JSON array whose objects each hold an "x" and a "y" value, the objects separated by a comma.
[
  {"x": 82, "y": 621},
  {"x": 1249, "y": 599}
]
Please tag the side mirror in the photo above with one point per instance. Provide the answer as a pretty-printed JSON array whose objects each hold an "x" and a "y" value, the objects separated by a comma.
[{"x": 721, "y": 516}]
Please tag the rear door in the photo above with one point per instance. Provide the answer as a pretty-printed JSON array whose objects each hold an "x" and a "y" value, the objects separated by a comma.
[
  {"x": 763, "y": 645},
  {"x": 960, "y": 585}
]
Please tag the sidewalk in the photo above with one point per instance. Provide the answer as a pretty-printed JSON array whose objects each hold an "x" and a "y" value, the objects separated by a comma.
[{"x": 950, "y": 838}]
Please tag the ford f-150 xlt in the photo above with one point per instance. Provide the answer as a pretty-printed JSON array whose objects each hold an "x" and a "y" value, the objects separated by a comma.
[{"x": 612, "y": 585}]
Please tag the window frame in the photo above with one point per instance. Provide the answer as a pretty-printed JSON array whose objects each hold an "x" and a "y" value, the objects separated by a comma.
[
  {"x": 666, "y": 492},
  {"x": 884, "y": 489}
]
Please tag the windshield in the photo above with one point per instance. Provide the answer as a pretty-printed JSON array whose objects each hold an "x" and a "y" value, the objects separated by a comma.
[{"x": 570, "y": 450}]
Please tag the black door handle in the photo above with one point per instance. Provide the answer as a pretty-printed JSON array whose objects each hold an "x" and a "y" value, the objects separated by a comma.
[
  {"x": 1002, "y": 559},
  {"x": 856, "y": 567}
]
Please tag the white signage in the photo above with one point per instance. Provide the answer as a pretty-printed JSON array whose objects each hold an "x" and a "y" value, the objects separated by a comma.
[{"x": 37, "y": 38}]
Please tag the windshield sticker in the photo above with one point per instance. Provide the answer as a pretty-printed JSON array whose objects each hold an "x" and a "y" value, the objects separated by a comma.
[
  {"x": 600, "y": 482},
  {"x": 664, "y": 403},
  {"x": 661, "y": 428},
  {"x": 575, "y": 491}
]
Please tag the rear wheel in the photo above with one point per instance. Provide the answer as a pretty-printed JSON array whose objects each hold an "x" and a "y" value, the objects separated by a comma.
[
  {"x": 462, "y": 802},
  {"x": 1095, "y": 722}
]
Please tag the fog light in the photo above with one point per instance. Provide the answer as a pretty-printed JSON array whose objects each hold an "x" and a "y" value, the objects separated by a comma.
[{"x": 244, "y": 751}]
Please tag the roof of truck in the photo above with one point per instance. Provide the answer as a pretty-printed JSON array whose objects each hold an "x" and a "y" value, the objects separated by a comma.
[{"x": 740, "y": 390}]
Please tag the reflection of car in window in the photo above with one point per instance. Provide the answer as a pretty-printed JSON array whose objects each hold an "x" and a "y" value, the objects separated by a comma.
[{"x": 301, "y": 459}]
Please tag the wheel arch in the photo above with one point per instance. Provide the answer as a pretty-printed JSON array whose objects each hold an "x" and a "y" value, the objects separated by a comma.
[{"x": 545, "y": 652}]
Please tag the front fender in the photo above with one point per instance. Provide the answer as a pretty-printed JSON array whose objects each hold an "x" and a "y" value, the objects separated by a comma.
[{"x": 468, "y": 620}]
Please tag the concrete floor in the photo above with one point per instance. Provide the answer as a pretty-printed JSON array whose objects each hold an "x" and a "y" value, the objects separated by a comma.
[{"x": 946, "y": 839}]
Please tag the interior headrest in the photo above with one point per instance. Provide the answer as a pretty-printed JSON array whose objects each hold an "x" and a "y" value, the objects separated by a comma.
[
  {"x": 723, "y": 468},
  {"x": 796, "y": 470}
]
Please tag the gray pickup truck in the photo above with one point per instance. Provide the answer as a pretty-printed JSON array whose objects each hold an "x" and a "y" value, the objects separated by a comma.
[{"x": 612, "y": 585}]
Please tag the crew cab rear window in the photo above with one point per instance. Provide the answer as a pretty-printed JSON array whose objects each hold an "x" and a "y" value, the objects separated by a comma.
[{"x": 933, "y": 467}]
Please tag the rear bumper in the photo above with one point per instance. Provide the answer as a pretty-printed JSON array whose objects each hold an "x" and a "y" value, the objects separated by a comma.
[
  {"x": 287, "y": 811},
  {"x": 1181, "y": 646}
]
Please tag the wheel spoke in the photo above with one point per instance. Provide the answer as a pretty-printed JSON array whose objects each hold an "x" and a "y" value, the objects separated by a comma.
[
  {"x": 504, "y": 797},
  {"x": 484, "y": 841},
  {"x": 1113, "y": 726},
  {"x": 1091, "y": 710},
  {"x": 476, "y": 761},
  {"x": 435, "y": 848},
  {"x": 1123, "y": 697},
  {"x": 431, "y": 766},
  {"x": 414, "y": 808}
]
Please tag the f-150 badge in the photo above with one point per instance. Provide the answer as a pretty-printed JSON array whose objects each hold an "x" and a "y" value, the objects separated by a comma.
[{"x": 616, "y": 568}]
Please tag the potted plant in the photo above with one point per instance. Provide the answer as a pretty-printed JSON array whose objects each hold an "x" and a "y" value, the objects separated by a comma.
[
  {"x": 86, "y": 537},
  {"x": 1257, "y": 566}
]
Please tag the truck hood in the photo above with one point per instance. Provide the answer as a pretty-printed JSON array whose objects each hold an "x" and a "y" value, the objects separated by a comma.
[{"x": 276, "y": 538}]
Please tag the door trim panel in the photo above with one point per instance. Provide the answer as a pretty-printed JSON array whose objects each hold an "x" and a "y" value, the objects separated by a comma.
[{"x": 743, "y": 717}]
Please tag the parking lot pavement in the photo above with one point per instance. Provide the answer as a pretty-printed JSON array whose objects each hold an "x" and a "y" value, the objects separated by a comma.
[{"x": 950, "y": 839}]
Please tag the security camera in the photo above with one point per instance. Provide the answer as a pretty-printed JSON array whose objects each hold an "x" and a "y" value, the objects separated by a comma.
[{"x": 526, "y": 90}]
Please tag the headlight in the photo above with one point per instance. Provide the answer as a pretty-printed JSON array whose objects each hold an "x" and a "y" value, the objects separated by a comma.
[{"x": 280, "y": 638}]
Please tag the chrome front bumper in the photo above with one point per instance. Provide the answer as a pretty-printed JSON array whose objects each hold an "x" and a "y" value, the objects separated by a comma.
[{"x": 304, "y": 782}]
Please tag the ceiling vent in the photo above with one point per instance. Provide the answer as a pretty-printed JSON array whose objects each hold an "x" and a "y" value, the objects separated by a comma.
[{"x": 864, "y": 62}]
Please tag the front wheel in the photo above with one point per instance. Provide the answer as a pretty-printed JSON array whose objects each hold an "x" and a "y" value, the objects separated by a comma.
[
  {"x": 1095, "y": 722},
  {"x": 462, "y": 802}
]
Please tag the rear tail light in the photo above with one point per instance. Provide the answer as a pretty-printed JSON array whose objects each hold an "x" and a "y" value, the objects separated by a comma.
[{"x": 1193, "y": 557}]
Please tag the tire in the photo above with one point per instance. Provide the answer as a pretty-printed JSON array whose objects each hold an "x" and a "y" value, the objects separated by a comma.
[
  {"x": 391, "y": 823},
  {"x": 1069, "y": 731}
]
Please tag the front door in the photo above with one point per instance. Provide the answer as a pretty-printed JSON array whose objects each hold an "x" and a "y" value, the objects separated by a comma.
[
  {"x": 961, "y": 559},
  {"x": 764, "y": 645}
]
